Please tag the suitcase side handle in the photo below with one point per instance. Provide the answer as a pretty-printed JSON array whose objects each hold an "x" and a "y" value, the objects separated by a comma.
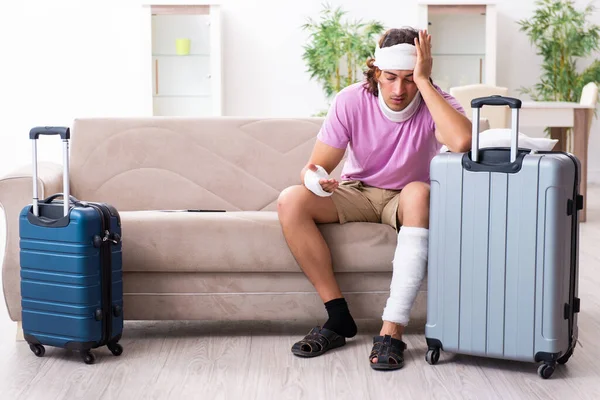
[
  {"x": 50, "y": 199},
  {"x": 63, "y": 132},
  {"x": 496, "y": 100}
]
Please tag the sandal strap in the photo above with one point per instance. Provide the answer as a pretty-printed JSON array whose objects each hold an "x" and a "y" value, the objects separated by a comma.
[
  {"x": 308, "y": 343},
  {"x": 386, "y": 347},
  {"x": 387, "y": 340},
  {"x": 384, "y": 354},
  {"x": 331, "y": 336},
  {"x": 317, "y": 342},
  {"x": 321, "y": 336},
  {"x": 321, "y": 340},
  {"x": 375, "y": 351}
]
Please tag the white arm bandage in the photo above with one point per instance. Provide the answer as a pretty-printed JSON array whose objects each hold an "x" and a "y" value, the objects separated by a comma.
[{"x": 311, "y": 181}]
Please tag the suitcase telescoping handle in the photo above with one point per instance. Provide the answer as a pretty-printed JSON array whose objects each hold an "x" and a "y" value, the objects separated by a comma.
[
  {"x": 65, "y": 135},
  {"x": 514, "y": 104}
]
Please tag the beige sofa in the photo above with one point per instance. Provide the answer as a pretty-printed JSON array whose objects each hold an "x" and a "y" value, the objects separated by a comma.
[{"x": 206, "y": 266}]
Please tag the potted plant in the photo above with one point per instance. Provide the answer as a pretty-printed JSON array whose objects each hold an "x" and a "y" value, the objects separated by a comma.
[
  {"x": 338, "y": 49},
  {"x": 562, "y": 35}
]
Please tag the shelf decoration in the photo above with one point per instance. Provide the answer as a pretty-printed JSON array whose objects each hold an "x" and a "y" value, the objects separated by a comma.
[{"x": 182, "y": 46}]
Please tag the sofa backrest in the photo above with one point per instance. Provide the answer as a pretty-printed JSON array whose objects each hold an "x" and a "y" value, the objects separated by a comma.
[{"x": 159, "y": 163}]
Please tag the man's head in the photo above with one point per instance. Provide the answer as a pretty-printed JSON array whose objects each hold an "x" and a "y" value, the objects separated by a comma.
[{"x": 397, "y": 86}]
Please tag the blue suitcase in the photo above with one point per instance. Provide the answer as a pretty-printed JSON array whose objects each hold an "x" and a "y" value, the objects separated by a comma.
[{"x": 71, "y": 275}]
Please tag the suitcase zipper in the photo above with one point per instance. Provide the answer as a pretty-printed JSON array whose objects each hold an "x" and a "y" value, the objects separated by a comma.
[
  {"x": 574, "y": 244},
  {"x": 577, "y": 198},
  {"x": 106, "y": 265},
  {"x": 108, "y": 270}
]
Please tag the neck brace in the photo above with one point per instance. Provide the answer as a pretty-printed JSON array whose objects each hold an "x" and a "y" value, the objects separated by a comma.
[{"x": 399, "y": 116}]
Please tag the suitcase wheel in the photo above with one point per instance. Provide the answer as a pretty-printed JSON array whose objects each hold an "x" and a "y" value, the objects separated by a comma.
[
  {"x": 38, "y": 349},
  {"x": 115, "y": 348},
  {"x": 546, "y": 370},
  {"x": 88, "y": 357},
  {"x": 432, "y": 356}
]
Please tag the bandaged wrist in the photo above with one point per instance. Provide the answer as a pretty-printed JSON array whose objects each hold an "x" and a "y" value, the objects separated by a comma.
[{"x": 312, "y": 178}]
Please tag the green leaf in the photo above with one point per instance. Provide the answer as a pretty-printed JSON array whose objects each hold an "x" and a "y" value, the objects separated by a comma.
[
  {"x": 562, "y": 34},
  {"x": 337, "y": 48}
]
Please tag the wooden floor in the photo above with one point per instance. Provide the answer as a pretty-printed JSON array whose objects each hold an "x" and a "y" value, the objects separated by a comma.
[{"x": 252, "y": 361}]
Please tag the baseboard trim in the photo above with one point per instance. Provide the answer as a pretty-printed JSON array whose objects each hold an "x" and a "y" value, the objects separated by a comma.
[{"x": 256, "y": 307}]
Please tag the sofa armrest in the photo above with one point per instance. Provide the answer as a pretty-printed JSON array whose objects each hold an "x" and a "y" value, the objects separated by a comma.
[{"x": 15, "y": 193}]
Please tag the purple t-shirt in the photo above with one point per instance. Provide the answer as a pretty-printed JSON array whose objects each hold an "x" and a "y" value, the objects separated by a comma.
[{"x": 381, "y": 153}]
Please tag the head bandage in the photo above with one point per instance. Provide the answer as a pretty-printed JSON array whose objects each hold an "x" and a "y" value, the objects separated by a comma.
[{"x": 399, "y": 56}]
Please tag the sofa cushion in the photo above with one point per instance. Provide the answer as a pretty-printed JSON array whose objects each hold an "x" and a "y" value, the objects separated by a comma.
[
  {"x": 122, "y": 161},
  {"x": 242, "y": 241}
]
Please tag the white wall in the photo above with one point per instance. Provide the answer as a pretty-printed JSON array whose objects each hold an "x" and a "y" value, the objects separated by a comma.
[
  {"x": 65, "y": 60},
  {"x": 449, "y": 31},
  {"x": 263, "y": 69}
]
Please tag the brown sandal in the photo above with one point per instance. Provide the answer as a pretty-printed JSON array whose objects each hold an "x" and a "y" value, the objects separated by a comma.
[
  {"x": 318, "y": 341},
  {"x": 389, "y": 353}
]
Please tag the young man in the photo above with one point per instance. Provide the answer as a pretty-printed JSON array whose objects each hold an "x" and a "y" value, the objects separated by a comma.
[{"x": 392, "y": 124}]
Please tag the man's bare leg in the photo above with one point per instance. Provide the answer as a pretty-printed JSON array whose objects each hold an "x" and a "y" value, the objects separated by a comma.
[
  {"x": 413, "y": 212},
  {"x": 299, "y": 212}
]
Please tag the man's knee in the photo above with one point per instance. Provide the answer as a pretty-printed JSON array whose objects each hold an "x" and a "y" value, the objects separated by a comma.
[
  {"x": 414, "y": 202},
  {"x": 417, "y": 191},
  {"x": 292, "y": 200}
]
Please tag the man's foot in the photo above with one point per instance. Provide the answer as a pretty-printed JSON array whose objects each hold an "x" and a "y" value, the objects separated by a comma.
[
  {"x": 394, "y": 332},
  {"x": 387, "y": 353},
  {"x": 340, "y": 320},
  {"x": 318, "y": 341},
  {"x": 338, "y": 327}
]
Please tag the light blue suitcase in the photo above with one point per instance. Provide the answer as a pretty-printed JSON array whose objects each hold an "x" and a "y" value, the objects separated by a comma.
[
  {"x": 503, "y": 251},
  {"x": 71, "y": 275}
]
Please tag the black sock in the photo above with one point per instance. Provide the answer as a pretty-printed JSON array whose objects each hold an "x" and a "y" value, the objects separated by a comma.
[{"x": 340, "y": 321}]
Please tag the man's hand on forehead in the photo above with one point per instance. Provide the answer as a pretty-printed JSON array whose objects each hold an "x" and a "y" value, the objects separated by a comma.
[{"x": 424, "y": 64}]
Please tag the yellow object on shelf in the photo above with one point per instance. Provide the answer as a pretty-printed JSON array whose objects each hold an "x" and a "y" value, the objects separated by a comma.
[{"x": 182, "y": 46}]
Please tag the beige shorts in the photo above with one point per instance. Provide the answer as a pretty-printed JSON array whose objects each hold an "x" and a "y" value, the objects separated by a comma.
[{"x": 356, "y": 202}]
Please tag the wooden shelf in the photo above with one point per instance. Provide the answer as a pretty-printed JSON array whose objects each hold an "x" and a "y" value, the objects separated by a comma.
[
  {"x": 180, "y": 55},
  {"x": 182, "y": 95},
  {"x": 456, "y": 55},
  {"x": 181, "y": 9},
  {"x": 464, "y": 40},
  {"x": 186, "y": 84}
]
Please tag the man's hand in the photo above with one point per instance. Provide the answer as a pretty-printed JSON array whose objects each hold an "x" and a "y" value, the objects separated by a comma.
[
  {"x": 328, "y": 185},
  {"x": 453, "y": 128},
  {"x": 424, "y": 65}
]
